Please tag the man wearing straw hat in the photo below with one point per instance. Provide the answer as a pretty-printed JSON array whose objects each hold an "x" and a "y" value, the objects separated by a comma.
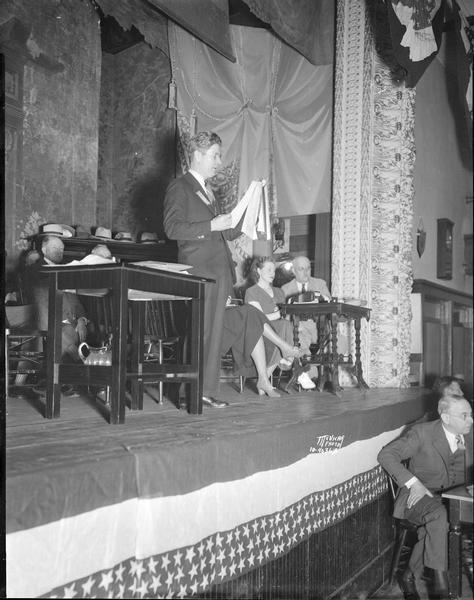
[{"x": 74, "y": 320}]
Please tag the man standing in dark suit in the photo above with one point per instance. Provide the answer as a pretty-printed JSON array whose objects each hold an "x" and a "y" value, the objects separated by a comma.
[
  {"x": 191, "y": 217},
  {"x": 439, "y": 455}
]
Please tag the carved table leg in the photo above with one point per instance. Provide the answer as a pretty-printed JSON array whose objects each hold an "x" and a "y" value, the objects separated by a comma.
[
  {"x": 292, "y": 382},
  {"x": 296, "y": 335},
  {"x": 358, "y": 363},
  {"x": 319, "y": 354},
  {"x": 335, "y": 388}
]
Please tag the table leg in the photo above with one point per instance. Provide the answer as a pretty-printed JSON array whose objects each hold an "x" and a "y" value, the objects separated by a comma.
[
  {"x": 119, "y": 347},
  {"x": 454, "y": 549},
  {"x": 136, "y": 355},
  {"x": 295, "y": 370},
  {"x": 319, "y": 354},
  {"x": 197, "y": 353},
  {"x": 358, "y": 362},
  {"x": 296, "y": 326},
  {"x": 335, "y": 388},
  {"x": 53, "y": 349}
]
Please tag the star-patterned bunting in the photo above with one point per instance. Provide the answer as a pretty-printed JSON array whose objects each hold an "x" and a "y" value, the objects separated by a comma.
[{"x": 228, "y": 554}]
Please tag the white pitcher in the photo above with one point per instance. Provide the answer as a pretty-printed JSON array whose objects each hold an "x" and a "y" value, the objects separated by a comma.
[{"x": 95, "y": 356}]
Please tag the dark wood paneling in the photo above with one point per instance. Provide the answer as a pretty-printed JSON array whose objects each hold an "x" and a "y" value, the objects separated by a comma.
[
  {"x": 351, "y": 558},
  {"x": 322, "y": 247},
  {"x": 446, "y": 317}
]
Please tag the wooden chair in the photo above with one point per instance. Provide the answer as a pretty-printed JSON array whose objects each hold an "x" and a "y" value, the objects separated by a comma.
[
  {"x": 156, "y": 336},
  {"x": 98, "y": 308},
  {"x": 227, "y": 360},
  {"x": 25, "y": 350},
  {"x": 153, "y": 333},
  {"x": 228, "y": 370},
  {"x": 404, "y": 532},
  {"x": 163, "y": 341}
]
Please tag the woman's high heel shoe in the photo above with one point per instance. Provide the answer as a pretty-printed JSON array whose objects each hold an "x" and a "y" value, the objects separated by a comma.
[{"x": 266, "y": 388}]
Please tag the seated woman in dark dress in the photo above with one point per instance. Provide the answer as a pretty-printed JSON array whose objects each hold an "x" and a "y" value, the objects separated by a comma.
[
  {"x": 245, "y": 330},
  {"x": 265, "y": 297}
]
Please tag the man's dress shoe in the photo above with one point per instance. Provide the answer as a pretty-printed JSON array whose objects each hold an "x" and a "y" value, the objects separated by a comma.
[
  {"x": 210, "y": 401},
  {"x": 407, "y": 583}
]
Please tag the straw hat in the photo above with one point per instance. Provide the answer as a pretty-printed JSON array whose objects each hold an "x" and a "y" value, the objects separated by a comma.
[
  {"x": 103, "y": 233},
  {"x": 57, "y": 229},
  {"x": 147, "y": 237}
]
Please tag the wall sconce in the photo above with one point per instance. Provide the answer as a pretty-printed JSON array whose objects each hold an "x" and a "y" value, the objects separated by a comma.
[{"x": 420, "y": 238}]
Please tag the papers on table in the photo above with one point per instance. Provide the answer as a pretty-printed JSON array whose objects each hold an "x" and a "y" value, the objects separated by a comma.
[
  {"x": 96, "y": 292},
  {"x": 141, "y": 295},
  {"x": 90, "y": 259},
  {"x": 355, "y": 301},
  {"x": 163, "y": 266},
  {"x": 134, "y": 295}
]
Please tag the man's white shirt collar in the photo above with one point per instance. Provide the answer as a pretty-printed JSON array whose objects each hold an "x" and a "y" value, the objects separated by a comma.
[
  {"x": 300, "y": 285},
  {"x": 451, "y": 437},
  {"x": 199, "y": 178}
]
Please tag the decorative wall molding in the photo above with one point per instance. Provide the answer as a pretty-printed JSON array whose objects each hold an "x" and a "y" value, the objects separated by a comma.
[{"x": 374, "y": 156}]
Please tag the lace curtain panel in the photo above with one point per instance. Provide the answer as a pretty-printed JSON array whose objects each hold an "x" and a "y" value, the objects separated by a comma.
[{"x": 272, "y": 109}]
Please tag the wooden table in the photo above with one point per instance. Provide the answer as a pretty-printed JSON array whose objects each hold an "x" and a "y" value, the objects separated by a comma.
[
  {"x": 460, "y": 511},
  {"x": 326, "y": 316},
  {"x": 120, "y": 279}
]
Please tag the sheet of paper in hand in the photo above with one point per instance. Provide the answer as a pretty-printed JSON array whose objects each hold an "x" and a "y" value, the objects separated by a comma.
[{"x": 253, "y": 206}]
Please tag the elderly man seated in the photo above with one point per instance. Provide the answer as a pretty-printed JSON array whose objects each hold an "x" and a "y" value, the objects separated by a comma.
[
  {"x": 304, "y": 282},
  {"x": 439, "y": 457},
  {"x": 74, "y": 321}
]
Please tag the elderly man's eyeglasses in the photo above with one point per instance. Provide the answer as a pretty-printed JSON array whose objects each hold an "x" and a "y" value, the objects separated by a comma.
[{"x": 464, "y": 416}]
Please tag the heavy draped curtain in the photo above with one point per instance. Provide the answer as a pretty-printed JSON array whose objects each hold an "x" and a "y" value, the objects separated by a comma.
[
  {"x": 272, "y": 109},
  {"x": 306, "y": 25}
]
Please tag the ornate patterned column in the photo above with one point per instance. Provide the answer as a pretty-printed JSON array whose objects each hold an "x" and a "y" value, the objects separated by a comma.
[{"x": 373, "y": 190}]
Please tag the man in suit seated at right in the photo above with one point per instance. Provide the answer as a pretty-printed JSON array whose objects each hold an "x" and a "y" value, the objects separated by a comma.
[
  {"x": 427, "y": 460},
  {"x": 304, "y": 282}
]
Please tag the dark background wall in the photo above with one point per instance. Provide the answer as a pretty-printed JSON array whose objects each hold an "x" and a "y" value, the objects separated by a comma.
[
  {"x": 91, "y": 140},
  {"x": 443, "y": 168},
  {"x": 54, "y": 175},
  {"x": 95, "y": 141},
  {"x": 136, "y": 139}
]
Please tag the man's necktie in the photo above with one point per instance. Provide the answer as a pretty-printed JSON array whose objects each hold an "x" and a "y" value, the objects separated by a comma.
[
  {"x": 303, "y": 287},
  {"x": 212, "y": 198},
  {"x": 460, "y": 443}
]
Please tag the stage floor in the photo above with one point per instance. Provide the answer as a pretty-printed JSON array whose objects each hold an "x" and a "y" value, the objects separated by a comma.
[
  {"x": 83, "y": 433},
  {"x": 134, "y": 488}
]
